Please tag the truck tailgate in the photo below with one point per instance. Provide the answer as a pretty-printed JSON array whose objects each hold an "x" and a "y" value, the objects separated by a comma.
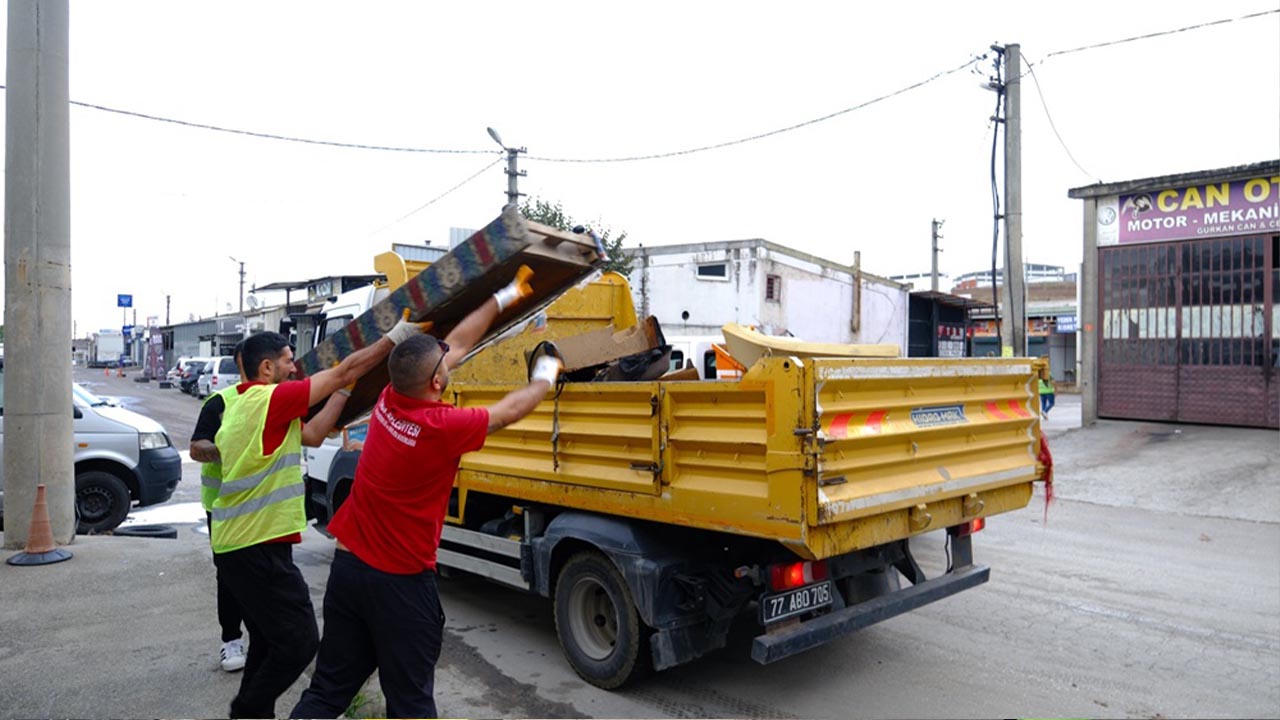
[{"x": 895, "y": 435}]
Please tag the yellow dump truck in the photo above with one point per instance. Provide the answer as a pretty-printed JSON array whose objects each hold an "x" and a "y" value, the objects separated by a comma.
[{"x": 656, "y": 513}]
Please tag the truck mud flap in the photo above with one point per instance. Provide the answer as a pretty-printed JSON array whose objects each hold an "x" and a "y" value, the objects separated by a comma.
[{"x": 824, "y": 629}]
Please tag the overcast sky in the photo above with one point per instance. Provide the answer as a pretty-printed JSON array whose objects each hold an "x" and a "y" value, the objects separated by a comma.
[{"x": 159, "y": 208}]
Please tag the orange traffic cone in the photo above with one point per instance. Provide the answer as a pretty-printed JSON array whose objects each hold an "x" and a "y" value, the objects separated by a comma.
[{"x": 41, "y": 549}]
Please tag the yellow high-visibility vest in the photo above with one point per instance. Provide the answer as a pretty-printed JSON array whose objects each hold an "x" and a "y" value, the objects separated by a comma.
[
  {"x": 211, "y": 472},
  {"x": 260, "y": 497}
]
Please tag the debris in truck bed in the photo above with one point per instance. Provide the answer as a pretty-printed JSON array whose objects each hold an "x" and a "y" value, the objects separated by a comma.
[{"x": 605, "y": 345}]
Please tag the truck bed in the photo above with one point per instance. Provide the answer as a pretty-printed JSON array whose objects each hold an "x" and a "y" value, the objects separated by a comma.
[{"x": 825, "y": 456}]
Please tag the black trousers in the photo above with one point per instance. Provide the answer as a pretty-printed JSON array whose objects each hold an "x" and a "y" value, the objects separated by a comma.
[
  {"x": 271, "y": 593},
  {"x": 229, "y": 615},
  {"x": 376, "y": 620}
]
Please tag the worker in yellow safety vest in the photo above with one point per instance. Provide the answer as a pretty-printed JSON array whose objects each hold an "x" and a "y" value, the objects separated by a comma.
[
  {"x": 259, "y": 511},
  {"x": 231, "y": 652}
]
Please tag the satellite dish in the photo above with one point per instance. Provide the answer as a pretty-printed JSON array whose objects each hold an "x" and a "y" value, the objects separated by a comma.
[{"x": 254, "y": 302}]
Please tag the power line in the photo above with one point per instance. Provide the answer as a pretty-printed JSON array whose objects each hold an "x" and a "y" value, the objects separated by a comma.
[
  {"x": 272, "y": 136},
  {"x": 433, "y": 200},
  {"x": 1054, "y": 127},
  {"x": 761, "y": 136},
  {"x": 1161, "y": 33},
  {"x": 654, "y": 156}
]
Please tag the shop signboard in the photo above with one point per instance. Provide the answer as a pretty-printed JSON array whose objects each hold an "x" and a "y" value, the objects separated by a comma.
[{"x": 1215, "y": 209}]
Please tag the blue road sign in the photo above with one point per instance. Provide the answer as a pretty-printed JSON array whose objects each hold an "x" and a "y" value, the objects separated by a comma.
[{"x": 124, "y": 301}]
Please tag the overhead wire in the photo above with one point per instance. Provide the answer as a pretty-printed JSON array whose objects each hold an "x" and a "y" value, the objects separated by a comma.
[
  {"x": 1160, "y": 33},
  {"x": 995, "y": 190},
  {"x": 674, "y": 153},
  {"x": 435, "y": 199},
  {"x": 286, "y": 138},
  {"x": 1031, "y": 69},
  {"x": 1053, "y": 126},
  {"x": 761, "y": 136}
]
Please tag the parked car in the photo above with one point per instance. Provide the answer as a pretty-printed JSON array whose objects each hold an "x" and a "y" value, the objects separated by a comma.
[
  {"x": 217, "y": 374},
  {"x": 221, "y": 373},
  {"x": 121, "y": 458},
  {"x": 191, "y": 374},
  {"x": 175, "y": 373}
]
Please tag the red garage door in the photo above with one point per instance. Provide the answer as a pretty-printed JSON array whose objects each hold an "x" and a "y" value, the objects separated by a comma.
[{"x": 1189, "y": 331}]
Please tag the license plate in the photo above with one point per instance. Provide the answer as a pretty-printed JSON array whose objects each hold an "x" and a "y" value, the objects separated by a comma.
[{"x": 794, "y": 602}]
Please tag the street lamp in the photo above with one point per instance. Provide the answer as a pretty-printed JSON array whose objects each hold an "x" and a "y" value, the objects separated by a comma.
[
  {"x": 241, "y": 282},
  {"x": 513, "y": 192}
]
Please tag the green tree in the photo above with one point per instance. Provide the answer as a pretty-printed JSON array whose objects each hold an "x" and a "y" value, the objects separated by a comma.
[{"x": 553, "y": 214}]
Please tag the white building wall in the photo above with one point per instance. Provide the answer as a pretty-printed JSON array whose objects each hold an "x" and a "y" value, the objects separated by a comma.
[
  {"x": 816, "y": 301},
  {"x": 884, "y": 315}
]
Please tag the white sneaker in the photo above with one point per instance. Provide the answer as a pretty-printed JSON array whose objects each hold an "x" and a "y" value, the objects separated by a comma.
[{"x": 232, "y": 655}]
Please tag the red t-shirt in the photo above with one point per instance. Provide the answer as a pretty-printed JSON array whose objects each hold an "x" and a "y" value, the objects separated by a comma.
[
  {"x": 290, "y": 400},
  {"x": 393, "y": 517}
]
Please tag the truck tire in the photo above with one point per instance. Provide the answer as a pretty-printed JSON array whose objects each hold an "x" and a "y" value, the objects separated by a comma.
[
  {"x": 102, "y": 502},
  {"x": 597, "y": 623}
]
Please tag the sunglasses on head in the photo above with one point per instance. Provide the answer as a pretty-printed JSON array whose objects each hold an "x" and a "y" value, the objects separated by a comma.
[{"x": 444, "y": 350}]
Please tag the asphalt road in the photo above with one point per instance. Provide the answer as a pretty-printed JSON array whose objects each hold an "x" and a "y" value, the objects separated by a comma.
[{"x": 1147, "y": 593}]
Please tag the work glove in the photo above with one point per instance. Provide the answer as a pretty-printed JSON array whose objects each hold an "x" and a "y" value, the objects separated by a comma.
[
  {"x": 344, "y": 391},
  {"x": 517, "y": 290},
  {"x": 546, "y": 368},
  {"x": 405, "y": 329}
]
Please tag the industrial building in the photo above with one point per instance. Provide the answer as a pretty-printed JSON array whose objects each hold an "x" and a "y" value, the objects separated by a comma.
[{"x": 1179, "y": 298}]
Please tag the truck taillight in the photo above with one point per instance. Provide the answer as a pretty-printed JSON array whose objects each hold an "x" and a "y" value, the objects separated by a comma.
[
  {"x": 794, "y": 575},
  {"x": 213, "y": 380},
  {"x": 969, "y": 528}
]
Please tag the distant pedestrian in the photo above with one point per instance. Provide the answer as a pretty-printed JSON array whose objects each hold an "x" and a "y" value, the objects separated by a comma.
[
  {"x": 260, "y": 511},
  {"x": 1047, "y": 392},
  {"x": 381, "y": 608}
]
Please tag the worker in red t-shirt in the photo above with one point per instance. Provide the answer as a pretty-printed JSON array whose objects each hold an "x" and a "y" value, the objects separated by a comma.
[
  {"x": 381, "y": 609},
  {"x": 259, "y": 512}
]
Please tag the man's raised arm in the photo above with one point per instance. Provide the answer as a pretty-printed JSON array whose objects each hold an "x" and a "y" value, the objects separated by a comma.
[
  {"x": 466, "y": 334},
  {"x": 354, "y": 366}
]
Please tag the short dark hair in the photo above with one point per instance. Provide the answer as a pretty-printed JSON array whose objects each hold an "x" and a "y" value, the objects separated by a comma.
[
  {"x": 410, "y": 362},
  {"x": 238, "y": 351},
  {"x": 263, "y": 346}
]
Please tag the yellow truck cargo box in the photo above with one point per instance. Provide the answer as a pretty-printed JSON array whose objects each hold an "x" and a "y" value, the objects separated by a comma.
[{"x": 825, "y": 456}]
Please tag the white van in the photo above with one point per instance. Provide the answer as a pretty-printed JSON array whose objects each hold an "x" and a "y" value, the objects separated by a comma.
[
  {"x": 219, "y": 374},
  {"x": 121, "y": 458}
]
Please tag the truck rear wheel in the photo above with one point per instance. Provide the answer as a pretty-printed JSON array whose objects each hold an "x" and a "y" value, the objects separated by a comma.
[
  {"x": 102, "y": 502},
  {"x": 597, "y": 622}
]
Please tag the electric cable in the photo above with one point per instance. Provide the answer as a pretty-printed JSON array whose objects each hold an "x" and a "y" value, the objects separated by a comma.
[
  {"x": 1160, "y": 33},
  {"x": 433, "y": 200},
  {"x": 995, "y": 193},
  {"x": 1031, "y": 71},
  {"x": 273, "y": 136},
  {"x": 654, "y": 156},
  {"x": 771, "y": 133}
]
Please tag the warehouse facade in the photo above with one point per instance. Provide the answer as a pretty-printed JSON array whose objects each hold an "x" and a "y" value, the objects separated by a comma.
[{"x": 1180, "y": 297}]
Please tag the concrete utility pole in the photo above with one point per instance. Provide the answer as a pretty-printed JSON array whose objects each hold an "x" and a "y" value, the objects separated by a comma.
[
  {"x": 166, "y": 309},
  {"x": 1013, "y": 332},
  {"x": 855, "y": 313},
  {"x": 241, "y": 282},
  {"x": 37, "y": 255},
  {"x": 513, "y": 173},
  {"x": 937, "y": 225}
]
